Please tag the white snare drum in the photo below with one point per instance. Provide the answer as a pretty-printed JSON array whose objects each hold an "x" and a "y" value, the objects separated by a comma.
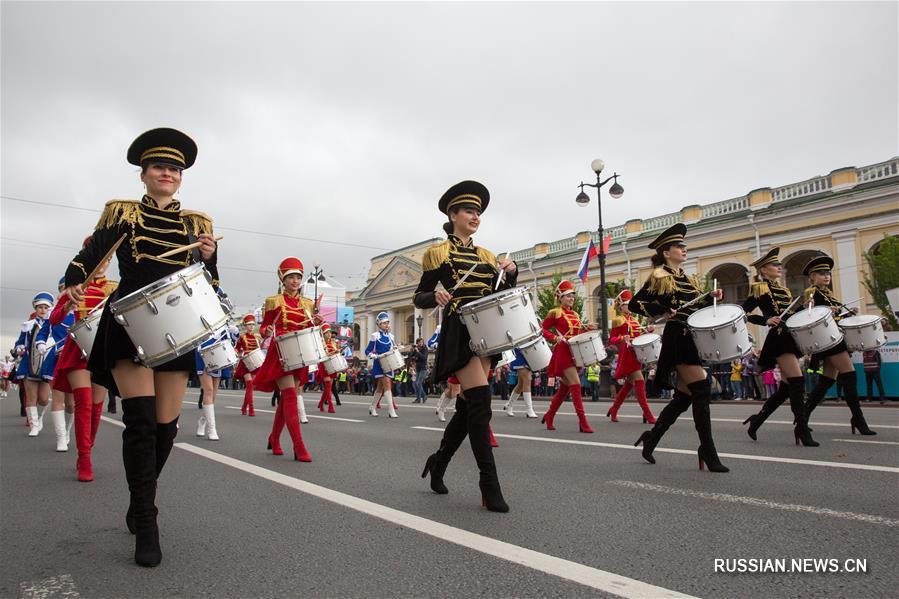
[
  {"x": 335, "y": 363},
  {"x": 299, "y": 349},
  {"x": 171, "y": 316},
  {"x": 500, "y": 321},
  {"x": 254, "y": 359},
  {"x": 647, "y": 347},
  {"x": 814, "y": 330},
  {"x": 587, "y": 349},
  {"x": 392, "y": 360},
  {"x": 863, "y": 332},
  {"x": 893, "y": 299},
  {"x": 537, "y": 354},
  {"x": 720, "y": 333},
  {"x": 507, "y": 358},
  {"x": 84, "y": 332},
  {"x": 218, "y": 356}
]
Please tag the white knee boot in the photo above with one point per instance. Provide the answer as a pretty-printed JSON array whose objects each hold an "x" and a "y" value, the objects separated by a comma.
[
  {"x": 301, "y": 410},
  {"x": 441, "y": 407},
  {"x": 59, "y": 427},
  {"x": 70, "y": 420},
  {"x": 510, "y": 405},
  {"x": 529, "y": 404},
  {"x": 372, "y": 411},
  {"x": 391, "y": 411},
  {"x": 34, "y": 421},
  {"x": 209, "y": 411},
  {"x": 201, "y": 424}
]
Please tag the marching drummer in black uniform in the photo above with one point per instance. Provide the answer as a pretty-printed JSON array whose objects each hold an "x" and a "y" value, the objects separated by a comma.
[
  {"x": 446, "y": 264},
  {"x": 776, "y": 306},
  {"x": 666, "y": 293},
  {"x": 837, "y": 363},
  {"x": 152, "y": 398}
]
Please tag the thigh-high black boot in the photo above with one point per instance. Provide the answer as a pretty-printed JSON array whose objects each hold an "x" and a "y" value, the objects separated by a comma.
[
  {"x": 702, "y": 419},
  {"x": 670, "y": 413},
  {"x": 455, "y": 432},
  {"x": 139, "y": 457},
  {"x": 772, "y": 403}
]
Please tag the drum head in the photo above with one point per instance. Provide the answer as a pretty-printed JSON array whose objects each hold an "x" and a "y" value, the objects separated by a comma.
[
  {"x": 860, "y": 320},
  {"x": 646, "y": 339},
  {"x": 589, "y": 335},
  {"x": 807, "y": 317},
  {"x": 711, "y": 316},
  {"x": 499, "y": 295}
]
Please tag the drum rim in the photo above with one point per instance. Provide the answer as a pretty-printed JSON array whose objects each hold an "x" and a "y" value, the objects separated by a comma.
[
  {"x": 159, "y": 286},
  {"x": 476, "y": 305},
  {"x": 635, "y": 339},
  {"x": 872, "y": 319},
  {"x": 823, "y": 310},
  {"x": 585, "y": 335},
  {"x": 741, "y": 314},
  {"x": 297, "y": 333},
  {"x": 529, "y": 344}
]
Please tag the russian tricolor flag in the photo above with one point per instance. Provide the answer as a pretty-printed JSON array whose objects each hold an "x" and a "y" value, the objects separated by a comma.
[{"x": 589, "y": 254}]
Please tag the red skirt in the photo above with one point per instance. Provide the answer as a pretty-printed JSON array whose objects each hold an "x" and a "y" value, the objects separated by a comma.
[
  {"x": 242, "y": 370},
  {"x": 561, "y": 360},
  {"x": 627, "y": 361},
  {"x": 265, "y": 378},
  {"x": 69, "y": 359}
]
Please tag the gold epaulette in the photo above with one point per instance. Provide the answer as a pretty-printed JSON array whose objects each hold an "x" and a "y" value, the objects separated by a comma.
[
  {"x": 308, "y": 304},
  {"x": 809, "y": 292},
  {"x": 110, "y": 286},
  {"x": 117, "y": 211},
  {"x": 661, "y": 282},
  {"x": 273, "y": 302},
  {"x": 554, "y": 312},
  {"x": 436, "y": 255},
  {"x": 486, "y": 256},
  {"x": 618, "y": 321},
  {"x": 758, "y": 289},
  {"x": 198, "y": 222}
]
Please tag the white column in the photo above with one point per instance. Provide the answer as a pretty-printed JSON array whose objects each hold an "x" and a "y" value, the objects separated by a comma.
[{"x": 847, "y": 265}]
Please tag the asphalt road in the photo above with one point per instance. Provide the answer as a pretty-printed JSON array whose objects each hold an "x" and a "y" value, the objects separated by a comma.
[{"x": 589, "y": 517}]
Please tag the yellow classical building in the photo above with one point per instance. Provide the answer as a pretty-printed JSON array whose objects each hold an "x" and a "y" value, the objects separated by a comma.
[{"x": 844, "y": 214}]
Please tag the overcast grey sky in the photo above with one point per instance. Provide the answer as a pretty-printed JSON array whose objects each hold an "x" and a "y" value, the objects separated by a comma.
[{"x": 347, "y": 121}]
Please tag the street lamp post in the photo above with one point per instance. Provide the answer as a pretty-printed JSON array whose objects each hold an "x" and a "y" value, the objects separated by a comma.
[
  {"x": 317, "y": 275},
  {"x": 418, "y": 321},
  {"x": 616, "y": 191}
]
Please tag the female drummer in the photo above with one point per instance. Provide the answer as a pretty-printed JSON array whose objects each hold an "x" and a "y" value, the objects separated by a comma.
[
  {"x": 37, "y": 391},
  {"x": 561, "y": 324},
  {"x": 381, "y": 342},
  {"x": 522, "y": 386},
  {"x": 447, "y": 263},
  {"x": 50, "y": 342},
  {"x": 779, "y": 349},
  {"x": 247, "y": 342},
  {"x": 151, "y": 398},
  {"x": 323, "y": 375},
  {"x": 209, "y": 386},
  {"x": 72, "y": 375},
  {"x": 837, "y": 363},
  {"x": 284, "y": 313},
  {"x": 629, "y": 367},
  {"x": 666, "y": 292}
]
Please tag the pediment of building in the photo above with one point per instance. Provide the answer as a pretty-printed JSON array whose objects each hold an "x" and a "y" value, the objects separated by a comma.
[{"x": 401, "y": 273}]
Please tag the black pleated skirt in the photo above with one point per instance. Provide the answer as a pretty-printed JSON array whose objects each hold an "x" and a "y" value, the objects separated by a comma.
[{"x": 778, "y": 342}]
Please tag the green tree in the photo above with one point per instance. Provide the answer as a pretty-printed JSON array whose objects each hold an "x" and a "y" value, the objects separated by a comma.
[
  {"x": 884, "y": 266},
  {"x": 546, "y": 298}
]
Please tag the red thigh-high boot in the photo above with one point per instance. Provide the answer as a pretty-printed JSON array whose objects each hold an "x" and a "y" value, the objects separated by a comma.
[
  {"x": 328, "y": 394},
  {"x": 274, "y": 438},
  {"x": 292, "y": 420},
  {"x": 248, "y": 397},
  {"x": 96, "y": 412},
  {"x": 640, "y": 392},
  {"x": 243, "y": 406},
  {"x": 321, "y": 400},
  {"x": 619, "y": 399},
  {"x": 493, "y": 441},
  {"x": 83, "y": 441},
  {"x": 579, "y": 409},
  {"x": 557, "y": 400}
]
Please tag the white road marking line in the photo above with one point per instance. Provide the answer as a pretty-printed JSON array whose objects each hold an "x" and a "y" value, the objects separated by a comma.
[
  {"x": 601, "y": 580},
  {"x": 738, "y": 456},
  {"x": 767, "y": 422},
  {"x": 62, "y": 586},
  {"x": 307, "y": 415},
  {"x": 789, "y": 507},
  {"x": 112, "y": 421},
  {"x": 870, "y": 442}
]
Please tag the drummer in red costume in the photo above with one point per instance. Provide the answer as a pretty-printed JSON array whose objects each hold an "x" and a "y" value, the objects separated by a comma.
[
  {"x": 247, "y": 342},
  {"x": 566, "y": 323},
  {"x": 71, "y": 374},
  {"x": 629, "y": 367},
  {"x": 322, "y": 375},
  {"x": 284, "y": 313}
]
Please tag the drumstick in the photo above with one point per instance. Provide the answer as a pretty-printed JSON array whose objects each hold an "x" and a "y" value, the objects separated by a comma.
[
  {"x": 98, "y": 306},
  {"x": 502, "y": 275},
  {"x": 690, "y": 303},
  {"x": 187, "y": 247},
  {"x": 107, "y": 257},
  {"x": 793, "y": 303},
  {"x": 715, "y": 297},
  {"x": 456, "y": 286}
]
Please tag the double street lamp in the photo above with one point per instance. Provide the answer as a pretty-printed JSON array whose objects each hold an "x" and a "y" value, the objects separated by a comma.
[
  {"x": 616, "y": 191},
  {"x": 317, "y": 275}
]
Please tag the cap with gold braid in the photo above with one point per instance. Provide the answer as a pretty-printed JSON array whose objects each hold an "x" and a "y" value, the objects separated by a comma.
[
  {"x": 819, "y": 264},
  {"x": 467, "y": 194},
  {"x": 163, "y": 146},
  {"x": 673, "y": 234},
  {"x": 772, "y": 257}
]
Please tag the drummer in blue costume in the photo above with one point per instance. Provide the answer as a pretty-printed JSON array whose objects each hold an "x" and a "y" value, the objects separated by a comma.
[
  {"x": 50, "y": 340},
  {"x": 522, "y": 386},
  {"x": 209, "y": 382},
  {"x": 381, "y": 342},
  {"x": 37, "y": 390}
]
